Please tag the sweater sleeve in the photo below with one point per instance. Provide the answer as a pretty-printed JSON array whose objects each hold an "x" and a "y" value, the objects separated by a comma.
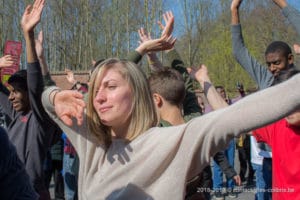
[
  {"x": 293, "y": 15},
  {"x": 134, "y": 57},
  {"x": 260, "y": 74},
  {"x": 35, "y": 89},
  {"x": 48, "y": 80},
  {"x": 212, "y": 132},
  {"x": 78, "y": 135}
]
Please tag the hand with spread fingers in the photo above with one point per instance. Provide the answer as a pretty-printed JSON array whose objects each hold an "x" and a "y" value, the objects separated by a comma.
[
  {"x": 151, "y": 45},
  {"x": 144, "y": 36},
  {"x": 32, "y": 15},
  {"x": 69, "y": 104},
  {"x": 169, "y": 21}
]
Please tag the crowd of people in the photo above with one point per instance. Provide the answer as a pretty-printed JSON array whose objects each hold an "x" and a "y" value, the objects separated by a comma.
[{"x": 129, "y": 135}]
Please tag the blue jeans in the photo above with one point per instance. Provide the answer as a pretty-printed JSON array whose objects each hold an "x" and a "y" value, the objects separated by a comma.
[
  {"x": 261, "y": 186},
  {"x": 217, "y": 172},
  {"x": 260, "y": 182},
  {"x": 70, "y": 172}
]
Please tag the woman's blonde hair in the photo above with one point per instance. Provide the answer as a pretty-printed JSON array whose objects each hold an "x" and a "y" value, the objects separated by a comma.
[{"x": 143, "y": 115}]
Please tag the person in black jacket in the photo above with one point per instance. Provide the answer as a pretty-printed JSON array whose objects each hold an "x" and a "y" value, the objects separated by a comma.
[{"x": 31, "y": 128}]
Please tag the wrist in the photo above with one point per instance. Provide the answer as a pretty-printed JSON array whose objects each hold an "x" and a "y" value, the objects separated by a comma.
[
  {"x": 206, "y": 87},
  {"x": 28, "y": 34},
  {"x": 234, "y": 9},
  {"x": 41, "y": 57},
  {"x": 141, "y": 50},
  {"x": 53, "y": 95},
  {"x": 203, "y": 80},
  {"x": 235, "y": 18}
]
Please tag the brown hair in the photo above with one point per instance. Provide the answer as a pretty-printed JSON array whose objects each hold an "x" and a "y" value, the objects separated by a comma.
[{"x": 168, "y": 83}]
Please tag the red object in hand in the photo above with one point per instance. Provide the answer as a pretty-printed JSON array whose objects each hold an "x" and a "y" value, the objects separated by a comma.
[{"x": 13, "y": 48}]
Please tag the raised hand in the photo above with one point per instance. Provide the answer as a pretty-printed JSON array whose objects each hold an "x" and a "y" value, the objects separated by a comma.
[
  {"x": 169, "y": 21},
  {"x": 165, "y": 42},
  {"x": 69, "y": 105},
  {"x": 144, "y": 36},
  {"x": 213, "y": 97},
  {"x": 8, "y": 61},
  {"x": 199, "y": 73},
  {"x": 280, "y": 3},
  {"x": 70, "y": 76},
  {"x": 160, "y": 44},
  {"x": 297, "y": 49},
  {"x": 32, "y": 15},
  {"x": 154, "y": 62},
  {"x": 235, "y": 4},
  {"x": 39, "y": 45}
]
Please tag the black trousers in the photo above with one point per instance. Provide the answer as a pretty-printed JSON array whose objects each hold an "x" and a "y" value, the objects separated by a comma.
[
  {"x": 56, "y": 170},
  {"x": 245, "y": 161}
]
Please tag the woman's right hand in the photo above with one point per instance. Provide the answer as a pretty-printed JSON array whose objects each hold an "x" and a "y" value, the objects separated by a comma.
[{"x": 69, "y": 104}]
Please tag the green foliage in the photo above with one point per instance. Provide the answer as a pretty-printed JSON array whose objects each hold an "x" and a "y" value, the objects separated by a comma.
[{"x": 262, "y": 23}]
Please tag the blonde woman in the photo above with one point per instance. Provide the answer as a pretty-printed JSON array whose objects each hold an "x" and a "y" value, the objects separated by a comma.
[{"x": 124, "y": 156}]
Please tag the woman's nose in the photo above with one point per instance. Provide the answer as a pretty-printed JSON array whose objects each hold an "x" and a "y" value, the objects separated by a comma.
[{"x": 100, "y": 97}]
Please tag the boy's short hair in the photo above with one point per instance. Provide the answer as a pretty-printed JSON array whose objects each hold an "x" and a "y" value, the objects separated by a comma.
[
  {"x": 19, "y": 80},
  {"x": 279, "y": 47},
  {"x": 168, "y": 83}
]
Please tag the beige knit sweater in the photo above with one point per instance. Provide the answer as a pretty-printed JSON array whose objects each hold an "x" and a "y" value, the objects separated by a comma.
[{"x": 158, "y": 163}]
